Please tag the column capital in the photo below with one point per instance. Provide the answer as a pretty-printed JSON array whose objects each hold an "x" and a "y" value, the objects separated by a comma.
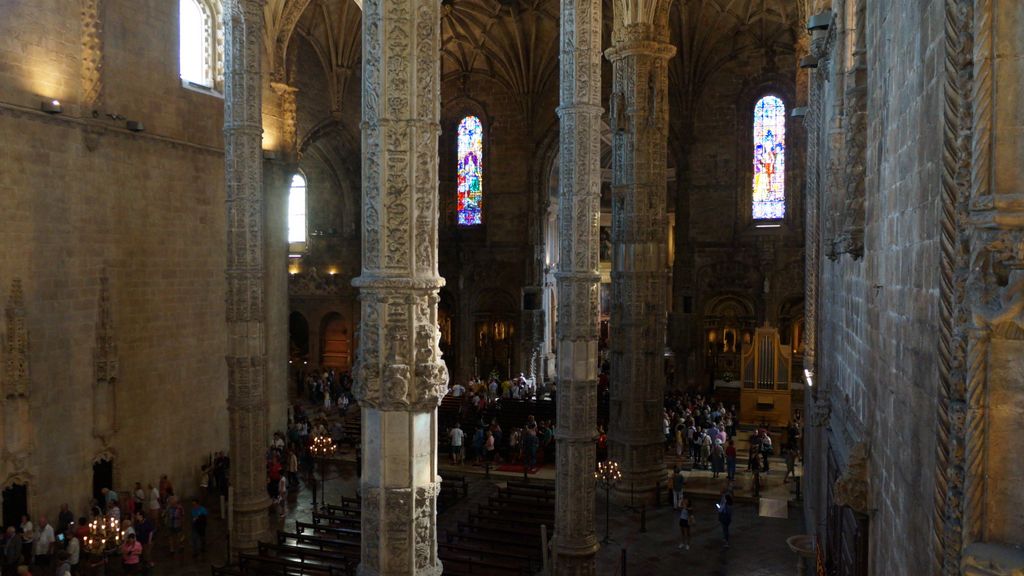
[{"x": 638, "y": 47}]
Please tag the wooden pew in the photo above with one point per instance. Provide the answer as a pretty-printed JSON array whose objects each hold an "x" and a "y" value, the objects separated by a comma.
[
  {"x": 251, "y": 564},
  {"x": 309, "y": 555},
  {"x": 335, "y": 530},
  {"x": 347, "y": 548}
]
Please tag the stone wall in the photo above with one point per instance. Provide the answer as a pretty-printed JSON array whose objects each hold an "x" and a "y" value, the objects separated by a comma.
[
  {"x": 82, "y": 197},
  {"x": 878, "y": 315}
]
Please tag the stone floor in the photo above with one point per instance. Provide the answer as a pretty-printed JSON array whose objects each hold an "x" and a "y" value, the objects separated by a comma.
[{"x": 758, "y": 543}]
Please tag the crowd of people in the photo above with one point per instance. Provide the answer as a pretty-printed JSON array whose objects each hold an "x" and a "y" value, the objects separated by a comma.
[
  {"x": 529, "y": 444},
  {"x": 325, "y": 388},
  {"x": 41, "y": 548}
]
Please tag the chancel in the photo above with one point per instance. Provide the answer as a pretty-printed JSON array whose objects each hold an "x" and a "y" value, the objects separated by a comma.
[{"x": 510, "y": 287}]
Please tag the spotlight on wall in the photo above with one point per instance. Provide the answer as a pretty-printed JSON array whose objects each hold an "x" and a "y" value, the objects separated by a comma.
[
  {"x": 809, "y": 61},
  {"x": 51, "y": 106},
  {"x": 799, "y": 112},
  {"x": 820, "y": 21},
  {"x": 809, "y": 378},
  {"x": 134, "y": 126}
]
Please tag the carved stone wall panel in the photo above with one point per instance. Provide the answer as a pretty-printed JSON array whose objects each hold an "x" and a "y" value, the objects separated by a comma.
[
  {"x": 105, "y": 361},
  {"x": 92, "y": 53}
]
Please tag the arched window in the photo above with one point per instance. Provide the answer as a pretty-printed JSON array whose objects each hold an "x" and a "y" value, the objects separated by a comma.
[
  {"x": 194, "y": 43},
  {"x": 769, "y": 194},
  {"x": 297, "y": 210},
  {"x": 471, "y": 170},
  {"x": 200, "y": 44}
]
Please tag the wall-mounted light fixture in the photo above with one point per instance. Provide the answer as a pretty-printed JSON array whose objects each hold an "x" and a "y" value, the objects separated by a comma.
[
  {"x": 820, "y": 21},
  {"x": 134, "y": 126},
  {"x": 51, "y": 106},
  {"x": 799, "y": 112},
  {"x": 809, "y": 61},
  {"x": 809, "y": 378}
]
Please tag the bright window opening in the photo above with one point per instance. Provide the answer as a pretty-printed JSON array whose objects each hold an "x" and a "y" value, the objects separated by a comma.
[
  {"x": 297, "y": 210},
  {"x": 194, "y": 43}
]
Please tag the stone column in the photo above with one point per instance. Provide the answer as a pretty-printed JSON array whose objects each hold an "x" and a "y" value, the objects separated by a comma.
[
  {"x": 246, "y": 298},
  {"x": 639, "y": 122},
  {"x": 579, "y": 214},
  {"x": 399, "y": 375}
]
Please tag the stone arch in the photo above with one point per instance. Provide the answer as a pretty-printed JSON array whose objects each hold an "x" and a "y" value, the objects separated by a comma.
[
  {"x": 791, "y": 322},
  {"x": 298, "y": 337},
  {"x": 770, "y": 84},
  {"x": 494, "y": 323}
]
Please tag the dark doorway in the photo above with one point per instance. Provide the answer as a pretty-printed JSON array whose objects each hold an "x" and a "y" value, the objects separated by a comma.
[
  {"x": 15, "y": 504},
  {"x": 102, "y": 477}
]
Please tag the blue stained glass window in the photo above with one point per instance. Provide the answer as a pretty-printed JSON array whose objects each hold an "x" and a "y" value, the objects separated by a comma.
[
  {"x": 471, "y": 170},
  {"x": 769, "y": 199}
]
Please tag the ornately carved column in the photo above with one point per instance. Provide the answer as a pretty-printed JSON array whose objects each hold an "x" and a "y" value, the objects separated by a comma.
[
  {"x": 246, "y": 297},
  {"x": 579, "y": 211},
  {"x": 399, "y": 375},
  {"x": 639, "y": 121}
]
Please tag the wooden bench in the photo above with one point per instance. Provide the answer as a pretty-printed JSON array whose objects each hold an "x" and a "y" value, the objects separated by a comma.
[
  {"x": 542, "y": 515},
  {"x": 531, "y": 549},
  {"x": 499, "y": 527},
  {"x": 308, "y": 555},
  {"x": 252, "y": 564},
  {"x": 488, "y": 519},
  {"x": 538, "y": 495},
  {"x": 455, "y": 482},
  {"x": 348, "y": 548},
  {"x": 320, "y": 519},
  {"x": 535, "y": 485},
  {"x": 487, "y": 553},
  {"x": 332, "y": 530},
  {"x": 463, "y": 567}
]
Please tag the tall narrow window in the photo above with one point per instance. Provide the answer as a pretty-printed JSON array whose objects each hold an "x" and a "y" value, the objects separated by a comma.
[
  {"x": 769, "y": 199},
  {"x": 297, "y": 210},
  {"x": 195, "y": 43},
  {"x": 471, "y": 170}
]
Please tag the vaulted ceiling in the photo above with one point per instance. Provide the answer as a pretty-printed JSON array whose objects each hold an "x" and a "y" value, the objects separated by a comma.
[{"x": 514, "y": 43}]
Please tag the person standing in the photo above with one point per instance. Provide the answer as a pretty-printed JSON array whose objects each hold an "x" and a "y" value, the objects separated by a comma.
[
  {"x": 725, "y": 516},
  {"x": 678, "y": 486},
  {"x": 173, "y": 519},
  {"x": 717, "y": 459},
  {"x": 790, "y": 453},
  {"x": 12, "y": 550},
  {"x": 730, "y": 460},
  {"x": 45, "y": 540},
  {"x": 199, "y": 518},
  {"x": 457, "y": 437},
  {"x": 64, "y": 519},
  {"x": 685, "y": 518},
  {"x": 131, "y": 555},
  {"x": 28, "y": 538},
  {"x": 144, "y": 536},
  {"x": 74, "y": 550}
]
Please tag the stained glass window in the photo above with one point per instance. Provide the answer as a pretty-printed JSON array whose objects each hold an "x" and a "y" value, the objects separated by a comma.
[
  {"x": 471, "y": 170},
  {"x": 769, "y": 200}
]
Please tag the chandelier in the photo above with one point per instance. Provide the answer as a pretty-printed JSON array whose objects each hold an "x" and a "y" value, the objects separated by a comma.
[{"x": 105, "y": 534}]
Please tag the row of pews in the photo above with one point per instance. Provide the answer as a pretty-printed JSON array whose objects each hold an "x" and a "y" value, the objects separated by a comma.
[
  {"x": 501, "y": 537},
  {"x": 327, "y": 545}
]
